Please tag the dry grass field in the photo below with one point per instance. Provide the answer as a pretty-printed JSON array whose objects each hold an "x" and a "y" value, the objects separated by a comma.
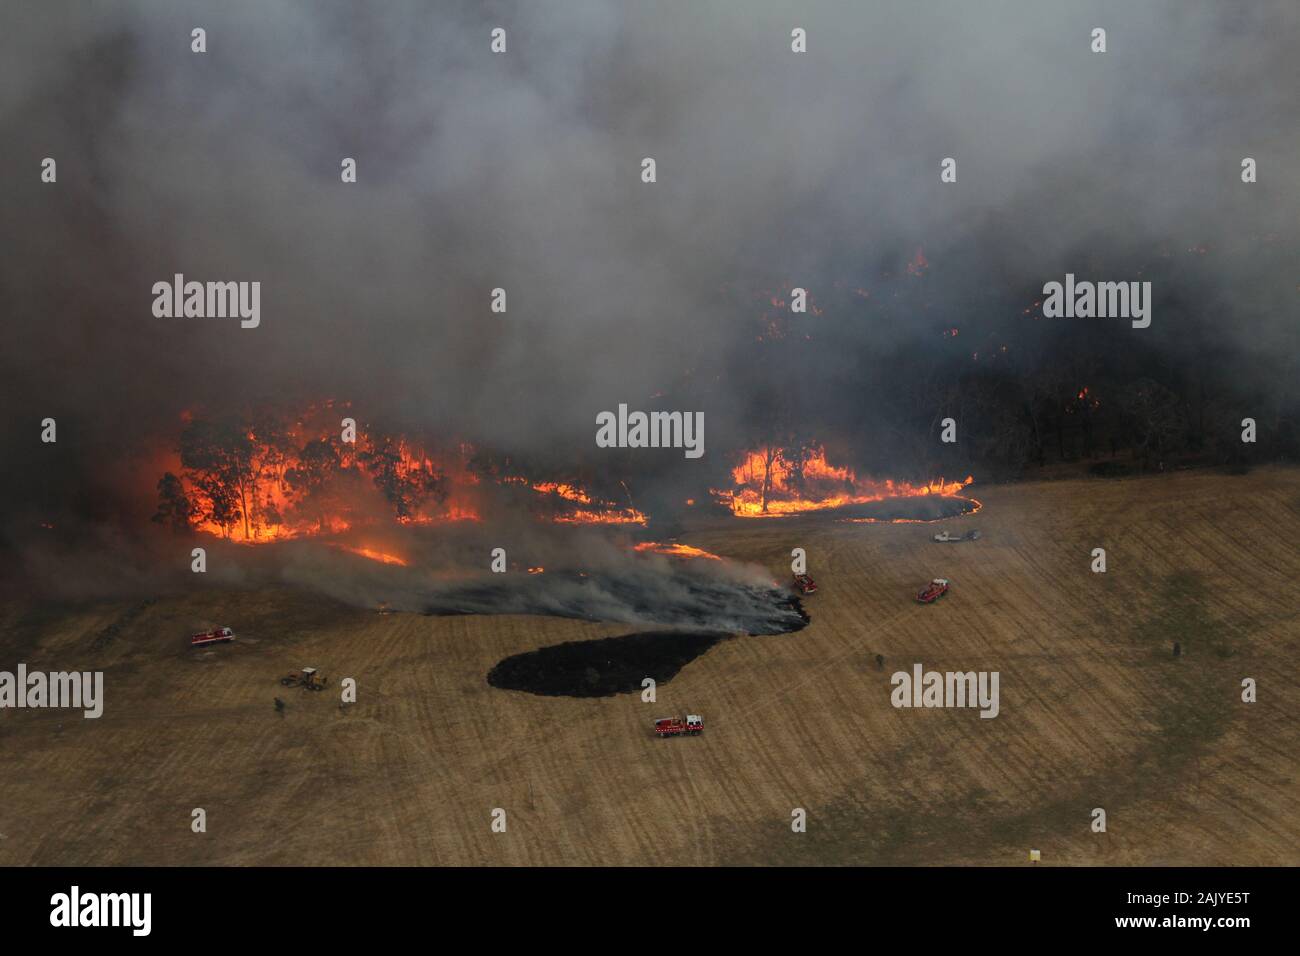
[{"x": 1095, "y": 710}]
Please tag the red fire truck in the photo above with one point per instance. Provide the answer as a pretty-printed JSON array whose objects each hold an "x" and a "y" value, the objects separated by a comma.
[
  {"x": 933, "y": 591},
  {"x": 692, "y": 725},
  {"x": 218, "y": 635},
  {"x": 804, "y": 584}
]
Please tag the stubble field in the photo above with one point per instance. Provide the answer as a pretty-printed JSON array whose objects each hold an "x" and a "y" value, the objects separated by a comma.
[{"x": 1095, "y": 710}]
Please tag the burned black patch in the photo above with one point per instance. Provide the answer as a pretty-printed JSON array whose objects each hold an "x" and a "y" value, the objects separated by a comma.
[
  {"x": 602, "y": 667},
  {"x": 618, "y": 665}
]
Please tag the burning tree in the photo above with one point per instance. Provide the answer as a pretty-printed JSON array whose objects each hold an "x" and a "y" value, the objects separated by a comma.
[
  {"x": 220, "y": 461},
  {"x": 174, "y": 506},
  {"x": 790, "y": 463},
  {"x": 257, "y": 477},
  {"x": 263, "y": 478},
  {"x": 768, "y": 457},
  {"x": 781, "y": 444},
  {"x": 407, "y": 481},
  {"x": 306, "y": 478}
]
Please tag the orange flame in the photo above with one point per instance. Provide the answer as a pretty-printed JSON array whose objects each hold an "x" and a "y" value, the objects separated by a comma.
[
  {"x": 591, "y": 511},
  {"x": 676, "y": 550},
  {"x": 284, "y": 492},
  {"x": 767, "y": 484},
  {"x": 374, "y": 555}
]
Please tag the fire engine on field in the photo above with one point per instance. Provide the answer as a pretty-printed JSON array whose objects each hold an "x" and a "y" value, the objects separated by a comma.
[
  {"x": 692, "y": 725},
  {"x": 933, "y": 591},
  {"x": 218, "y": 635},
  {"x": 804, "y": 584}
]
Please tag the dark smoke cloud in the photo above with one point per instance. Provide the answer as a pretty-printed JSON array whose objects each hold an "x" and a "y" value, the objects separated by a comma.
[{"x": 523, "y": 171}]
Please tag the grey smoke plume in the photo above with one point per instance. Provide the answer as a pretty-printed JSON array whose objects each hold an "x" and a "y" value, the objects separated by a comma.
[
  {"x": 621, "y": 586},
  {"x": 522, "y": 171}
]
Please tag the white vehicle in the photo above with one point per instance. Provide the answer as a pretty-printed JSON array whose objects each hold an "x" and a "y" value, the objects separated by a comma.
[{"x": 949, "y": 536}]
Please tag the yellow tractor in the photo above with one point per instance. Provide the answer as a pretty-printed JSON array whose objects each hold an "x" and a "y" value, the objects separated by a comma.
[{"x": 308, "y": 677}]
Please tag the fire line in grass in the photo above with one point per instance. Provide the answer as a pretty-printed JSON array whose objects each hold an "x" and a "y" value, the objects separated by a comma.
[{"x": 773, "y": 482}]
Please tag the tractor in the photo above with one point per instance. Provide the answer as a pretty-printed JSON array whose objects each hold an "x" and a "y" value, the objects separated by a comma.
[{"x": 308, "y": 677}]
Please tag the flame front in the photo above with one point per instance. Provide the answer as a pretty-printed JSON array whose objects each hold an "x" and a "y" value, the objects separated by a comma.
[
  {"x": 675, "y": 550},
  {"x": 591, "y": 511},
  {"x": 375, "y": 555},
  {"x": 771, "y": 482},
  {"x": 270, "y": 480}
]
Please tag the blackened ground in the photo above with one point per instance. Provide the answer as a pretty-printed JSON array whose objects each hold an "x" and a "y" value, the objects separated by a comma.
[
  {"x": 603, "y": 667},
  {"x": 618, "y": 665}
]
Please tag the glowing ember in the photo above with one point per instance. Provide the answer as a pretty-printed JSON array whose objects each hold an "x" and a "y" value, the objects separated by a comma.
[{"x": 770, "y": 483}]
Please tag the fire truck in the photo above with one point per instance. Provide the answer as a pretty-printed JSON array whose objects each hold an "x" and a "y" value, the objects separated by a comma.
[
  {"x": 692, "y": 725},
  {"x": 804, "y": 584},
  {"x": 218, "y": 635},
  {"x": 933, "y": 591}
]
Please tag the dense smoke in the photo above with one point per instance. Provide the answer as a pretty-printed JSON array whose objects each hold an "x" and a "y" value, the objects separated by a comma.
[
  {"x": 625, "y": 587},
  {"x": 522, "y": 171},
  {"x": 577, "y": 572}
]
